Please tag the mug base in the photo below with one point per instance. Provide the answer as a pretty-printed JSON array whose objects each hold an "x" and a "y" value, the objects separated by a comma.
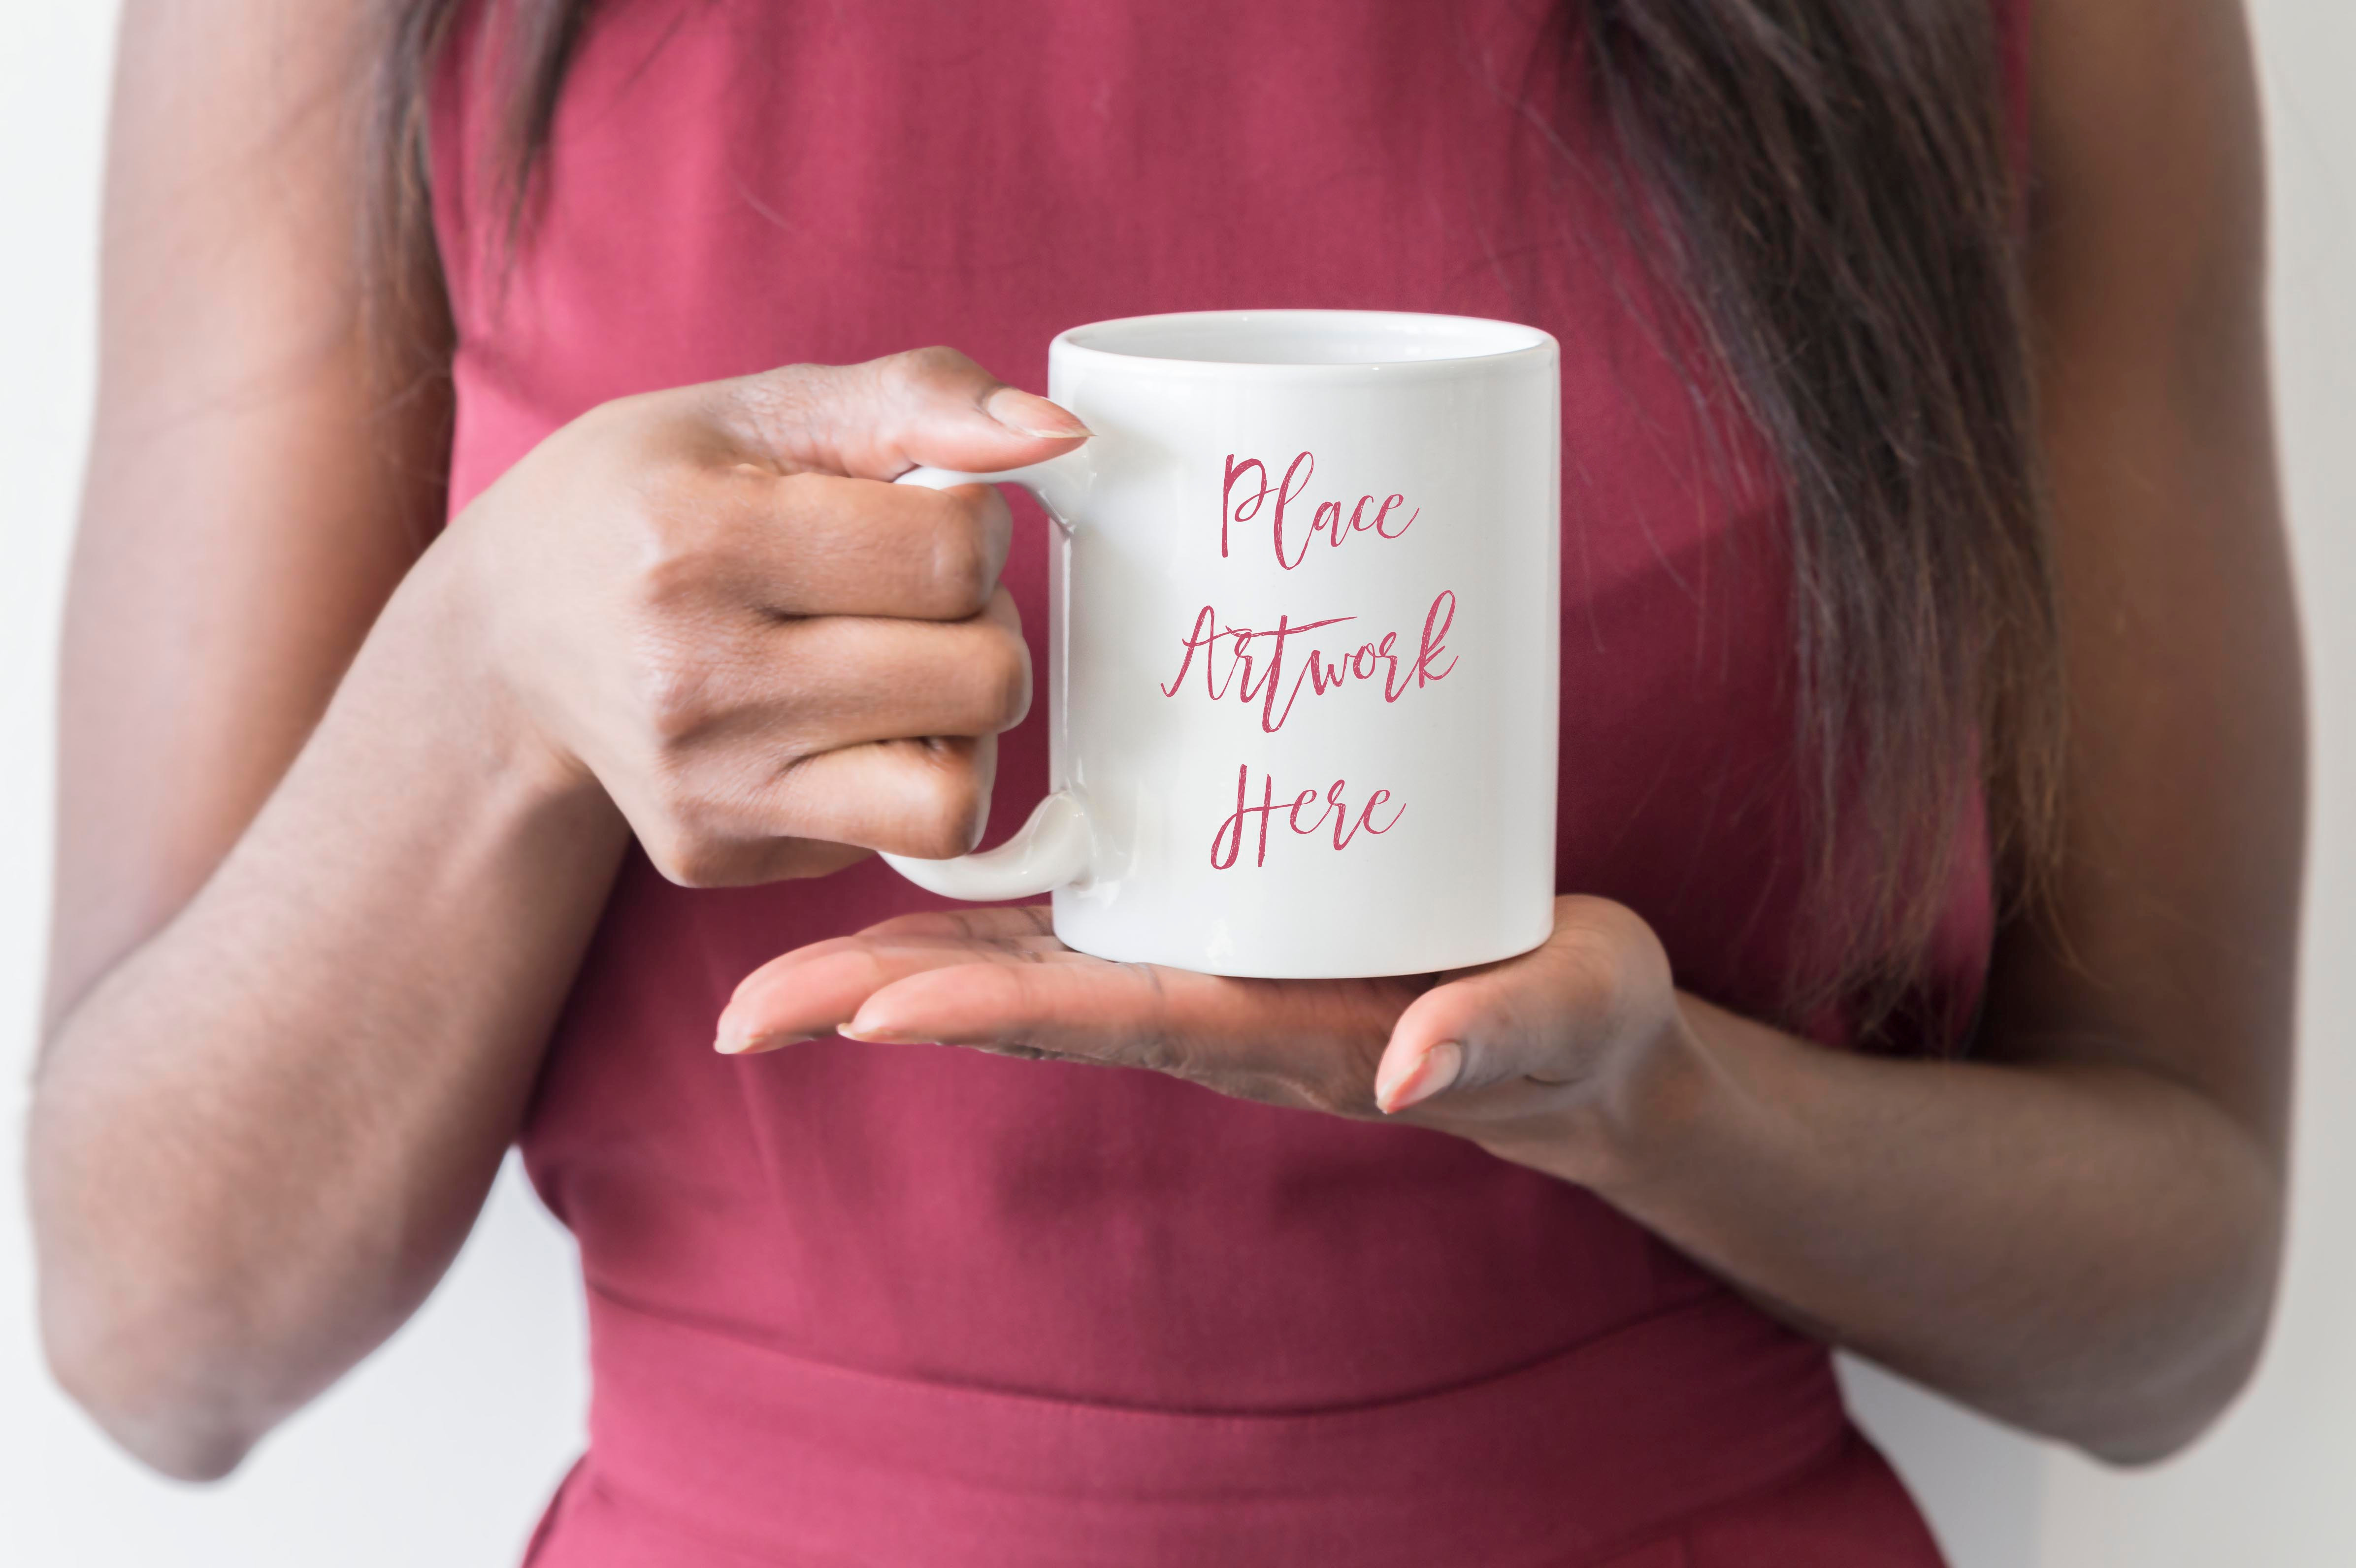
[{"x": 1222, "y": 954}]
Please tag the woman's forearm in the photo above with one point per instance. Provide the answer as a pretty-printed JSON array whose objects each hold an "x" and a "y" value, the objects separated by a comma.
[
  {"x": 2088, "y": 1252},
  {"x": 2086, "y": 1248},
  {"x": 259, "y": 1138}
]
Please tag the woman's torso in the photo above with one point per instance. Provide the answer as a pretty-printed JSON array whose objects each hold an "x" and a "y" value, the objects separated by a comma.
[{"x": 885, "y": 1288}]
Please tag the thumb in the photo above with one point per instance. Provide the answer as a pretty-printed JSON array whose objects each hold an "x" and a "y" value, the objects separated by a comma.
[
  {"x": 878, "y": 420},
  {"x": 1550, "y": 1014}
]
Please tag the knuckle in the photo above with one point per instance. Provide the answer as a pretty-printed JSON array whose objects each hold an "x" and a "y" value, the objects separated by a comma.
[
  {"x": 945, "y": 820},
  {"x": 1001, "y": 671},
  {"x": 701, "y": 863},
  {"x": 914, "y": 370},
  {"x": 783, "y": 399},
  {"x": 934, "y": 842},
  {"x": 931, "y": 837},
  {"x": 906, "y": 383},
  {"x": 962, "y": 573},
  {"x": 676, "y": 695},
  {"x": 676, "y": 860},
  {"x": 794, "y": 520},
  {"x": 679, "y": 548},
  {"x": 687, "y": 856},
  {"x": 688, "y": 839}
]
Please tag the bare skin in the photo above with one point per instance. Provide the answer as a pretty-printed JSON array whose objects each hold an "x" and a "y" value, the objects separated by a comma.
[{"x": 340, "y": 811}]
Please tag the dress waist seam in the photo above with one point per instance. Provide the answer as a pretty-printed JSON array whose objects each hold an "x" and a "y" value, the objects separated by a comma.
[{"x": 1556, "y": 1464}]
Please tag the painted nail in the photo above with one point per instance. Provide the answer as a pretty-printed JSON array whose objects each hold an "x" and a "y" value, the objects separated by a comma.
[
  {"x": 1032, "y": 416},
  {"x": 1419, "y": 1080}
]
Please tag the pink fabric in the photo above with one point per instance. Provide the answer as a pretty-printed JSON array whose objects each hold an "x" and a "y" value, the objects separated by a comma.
[{"x": 862, "y": 1303}]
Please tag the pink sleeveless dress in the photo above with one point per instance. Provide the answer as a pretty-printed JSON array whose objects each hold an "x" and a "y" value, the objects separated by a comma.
[{"x": 860, "y": 1305}]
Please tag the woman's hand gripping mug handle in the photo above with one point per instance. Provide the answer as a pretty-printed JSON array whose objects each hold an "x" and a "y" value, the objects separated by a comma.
[{"x": 1054, "y": 847}]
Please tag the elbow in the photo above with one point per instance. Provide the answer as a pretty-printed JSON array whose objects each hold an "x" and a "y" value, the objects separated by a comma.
[
  {"x": 2156, "y": 1405},
  {"x": 153, "y": 1389},
  {"x": 2160, "y": 1422},
  {"x": 144, "y": 1322},
  {"x": 2161, "y": 1429},
  {"x": 2178, "y": 1359}
]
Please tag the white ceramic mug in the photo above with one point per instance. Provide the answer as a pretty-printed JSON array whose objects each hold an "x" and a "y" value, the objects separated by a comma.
[{"x": 1304, "y": 654}]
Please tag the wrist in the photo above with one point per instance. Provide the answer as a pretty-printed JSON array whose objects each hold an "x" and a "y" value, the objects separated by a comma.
[
  {"x": 1617, "y": 1137},
  {"x": 434, "y": 651},
  {"x": 1643, "y": 1122}
]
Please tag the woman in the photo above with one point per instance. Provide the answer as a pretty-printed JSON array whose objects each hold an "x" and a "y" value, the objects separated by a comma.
[{"x": 1881, "y": 1010}]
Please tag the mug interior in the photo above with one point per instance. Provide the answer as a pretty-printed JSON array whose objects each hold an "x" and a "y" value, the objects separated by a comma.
[{"x": 1305, "y": 337}]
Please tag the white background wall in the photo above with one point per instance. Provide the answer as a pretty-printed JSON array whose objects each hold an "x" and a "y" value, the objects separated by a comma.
[{"x": 440, "y": 1449}]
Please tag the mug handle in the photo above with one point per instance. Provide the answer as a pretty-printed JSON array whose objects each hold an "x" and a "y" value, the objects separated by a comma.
[{"x": 1052, "y": 849}]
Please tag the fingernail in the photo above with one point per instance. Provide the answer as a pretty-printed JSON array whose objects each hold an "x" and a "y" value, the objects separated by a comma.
[
  {"x": 1032, "y": 416},
  {"x": 743, "y": 1042},
  {"x": 875, "y": 1034},
  {"x": 1419, "y": 1080}
]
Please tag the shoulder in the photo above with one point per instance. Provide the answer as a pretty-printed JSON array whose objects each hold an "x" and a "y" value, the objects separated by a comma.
[{"x": 2145, "y": 129}]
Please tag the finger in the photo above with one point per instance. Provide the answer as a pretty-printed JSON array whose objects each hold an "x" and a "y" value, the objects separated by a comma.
[
  {"x": 927, "y": 797},
  {"x": 1024, "y": 925},
  {"x": 1537, "y": 1017},
  {"x": 783, "y": 859},
  {"x": 1106, "y": 1012},
  {"x": 1318, "y": 1040},
  {"x": 818, "y": 544},
  {"x": 877, "y": 419},
  {"x": 846, "y": 681},
  {"x": 799, "y": 688},
  {"x": 815, "y": 989}
]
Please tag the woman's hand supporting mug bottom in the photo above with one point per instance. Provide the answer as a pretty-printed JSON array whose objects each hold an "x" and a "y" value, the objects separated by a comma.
[
  {"x": 1935, "y": 1215},
  {"x": 1505, "y": 1054}
]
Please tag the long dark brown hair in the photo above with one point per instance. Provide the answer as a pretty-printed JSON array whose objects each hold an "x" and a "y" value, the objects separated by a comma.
[{"x": 1829, "y": 189}]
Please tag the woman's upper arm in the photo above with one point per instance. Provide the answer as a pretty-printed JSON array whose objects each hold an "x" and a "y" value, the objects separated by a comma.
[
  {"x": 2172, "y": 941},
  {"x": 249, "y": 506}
]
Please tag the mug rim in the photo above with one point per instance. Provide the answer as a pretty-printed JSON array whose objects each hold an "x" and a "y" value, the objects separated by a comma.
[{"x": 1514, "y": 341}]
